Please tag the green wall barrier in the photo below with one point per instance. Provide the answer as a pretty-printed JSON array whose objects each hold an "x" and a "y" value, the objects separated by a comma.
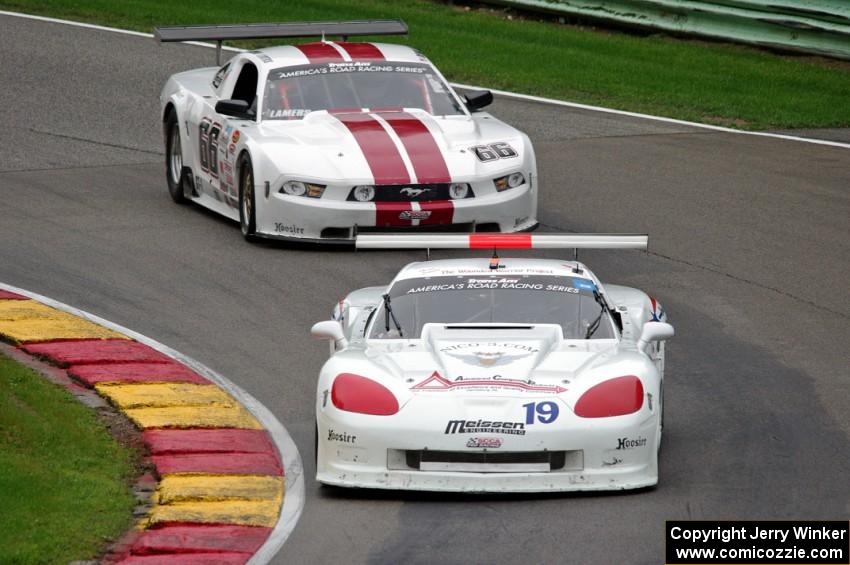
[{"x": 811, "y": 26}]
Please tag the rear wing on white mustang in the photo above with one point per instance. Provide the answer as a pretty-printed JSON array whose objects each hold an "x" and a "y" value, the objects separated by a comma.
[
  {"x": 502, "y": 241},
  {"x": 220, "y": 33}
]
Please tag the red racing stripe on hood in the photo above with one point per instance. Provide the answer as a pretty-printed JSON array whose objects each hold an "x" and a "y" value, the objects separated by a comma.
[
  {"x": 425, "y": 155},
  {"x": 320, "y": 53},
  {"x": 361, "y": 51},
  {"x": 377, "y": 147}
]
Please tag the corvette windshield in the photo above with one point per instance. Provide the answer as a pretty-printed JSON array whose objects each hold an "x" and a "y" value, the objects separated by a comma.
[
  {"x": 293, "y": 92},
  {"x": 522, "y": 299}
]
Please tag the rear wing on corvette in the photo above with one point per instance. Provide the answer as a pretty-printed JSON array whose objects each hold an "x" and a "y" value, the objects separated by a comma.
[
  {"x": 502, "y": 241},
  {"x": 219, "y": 33}
]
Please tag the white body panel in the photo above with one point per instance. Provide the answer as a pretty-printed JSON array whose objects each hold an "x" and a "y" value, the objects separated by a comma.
[
  {"x": 320, "y": 149},
  {"x": 488, "y": 374}
]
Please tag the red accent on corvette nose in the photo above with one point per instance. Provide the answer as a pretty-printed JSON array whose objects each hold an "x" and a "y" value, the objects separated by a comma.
[
  {"x": 614, "y": 397},
  {"x": 354, "y": 393}
]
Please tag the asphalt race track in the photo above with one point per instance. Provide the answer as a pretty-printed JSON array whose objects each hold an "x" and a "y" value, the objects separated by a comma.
[{"x": 750, "y": 255}]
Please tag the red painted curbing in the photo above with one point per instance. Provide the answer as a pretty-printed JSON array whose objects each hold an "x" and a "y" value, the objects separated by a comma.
[
  {"x": 6, "y": 295},
  {"x": 96, "y": 351},
  {"x": 136, "y": 373},
  {"x": 219, "y": 463},
  {"x": 169, "y": 442},
  {"x": 206, "y": 558},
  {"x": 193, "y": 538}
]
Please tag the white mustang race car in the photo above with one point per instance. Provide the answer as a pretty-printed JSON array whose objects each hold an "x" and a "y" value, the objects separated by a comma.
[
  {"x": 493, "y": 374},
  {"x": 325, "y": 140}
]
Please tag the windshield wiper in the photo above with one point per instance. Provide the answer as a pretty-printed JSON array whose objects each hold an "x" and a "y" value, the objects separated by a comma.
[
  {"x": 388, "y": 313},
  {"x": 603, "y": 306}
]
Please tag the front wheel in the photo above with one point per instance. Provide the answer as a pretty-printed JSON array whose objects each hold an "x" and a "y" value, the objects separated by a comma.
[
  {"x": 247, "y": 201},
  {"x": 174, "y": 159}
]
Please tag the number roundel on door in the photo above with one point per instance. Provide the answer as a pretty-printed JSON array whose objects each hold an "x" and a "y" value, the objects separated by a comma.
[{"x": 208, "y": 146}]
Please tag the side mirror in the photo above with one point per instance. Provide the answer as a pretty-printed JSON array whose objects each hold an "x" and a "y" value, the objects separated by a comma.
[
  {"x": 477, "y": 100},
  {"x": 654, "y": 331},
  {"x": 330, "y": 330},
  {"x": 235, "y": 108}
]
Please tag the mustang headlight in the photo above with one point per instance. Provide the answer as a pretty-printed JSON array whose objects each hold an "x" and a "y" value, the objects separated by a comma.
[
  {"x": 354, "y": 393},
  {"x": 512, "y": 180},
  {"x": 458, "y": 190},
  {"x": 363, "y": 193},
  {"x": 614, "y": 397},
  {"x": 298, "y": 188}
]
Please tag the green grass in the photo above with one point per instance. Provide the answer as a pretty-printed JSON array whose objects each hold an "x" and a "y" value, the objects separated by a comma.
[
  {"x": 64, "y": 481},
  {"x": 691, "y": 80}
]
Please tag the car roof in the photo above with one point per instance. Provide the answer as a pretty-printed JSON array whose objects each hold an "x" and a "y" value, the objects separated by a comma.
[
  {"x": 293, "y": 55},
  {"x": 481, "y": 267}
]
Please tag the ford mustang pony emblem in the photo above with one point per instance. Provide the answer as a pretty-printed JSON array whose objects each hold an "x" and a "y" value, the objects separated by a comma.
[{"x": 414, "y": 192}]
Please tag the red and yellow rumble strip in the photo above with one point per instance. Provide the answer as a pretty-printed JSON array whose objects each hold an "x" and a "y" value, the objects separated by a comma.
[{"x": 220, "y": 478}]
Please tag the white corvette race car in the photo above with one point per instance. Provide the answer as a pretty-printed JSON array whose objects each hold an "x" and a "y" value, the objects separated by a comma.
[
  {"x": 515, "y": 375},
  {"x": 325, "y": 140}
]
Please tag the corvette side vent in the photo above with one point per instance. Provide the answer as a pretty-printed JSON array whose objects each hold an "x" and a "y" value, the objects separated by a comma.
[{"x": 494, "y": 462}]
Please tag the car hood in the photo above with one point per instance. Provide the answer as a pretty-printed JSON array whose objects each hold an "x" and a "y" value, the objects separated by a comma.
[
  {"x": 508, "y": 361},
  {"x": 340, "y": 148}
]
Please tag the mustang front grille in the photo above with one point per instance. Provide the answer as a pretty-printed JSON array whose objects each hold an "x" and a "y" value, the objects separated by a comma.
[
  {"x": 410, "y": 193},
  {"x": 487, "y": 461}
]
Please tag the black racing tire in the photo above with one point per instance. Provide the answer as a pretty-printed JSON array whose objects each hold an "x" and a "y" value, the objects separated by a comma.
[
  {"x": 174, "y": 174},
  {"x": 247, "y": 199}
]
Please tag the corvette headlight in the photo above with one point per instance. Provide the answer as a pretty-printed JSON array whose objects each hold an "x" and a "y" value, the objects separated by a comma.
[
  {"x": 458, "y": 190},
  {"x": 512, "y": 180},
  {"x": 364, "y": 193},
  {"x": 298, "y": 188}
]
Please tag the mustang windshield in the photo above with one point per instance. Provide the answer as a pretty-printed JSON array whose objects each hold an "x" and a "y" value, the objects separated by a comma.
[
  {"x": 293, "y": 92},
  {"x": 567, "y": 301}
]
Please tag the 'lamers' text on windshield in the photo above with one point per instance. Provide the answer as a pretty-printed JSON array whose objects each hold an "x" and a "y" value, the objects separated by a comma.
[
  {"x": 570, "y": 302},
  {"x": 293, "y": 92}
]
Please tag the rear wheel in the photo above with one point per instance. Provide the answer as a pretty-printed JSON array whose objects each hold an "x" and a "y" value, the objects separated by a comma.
[
  {"x": 174, "y": 159},
  {"x": 247, "y": 200}
]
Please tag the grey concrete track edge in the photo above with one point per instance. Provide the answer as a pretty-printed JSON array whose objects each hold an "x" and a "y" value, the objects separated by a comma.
[
  {"x": 294, "y": 495},
  {"x": 505, "y": 93}
]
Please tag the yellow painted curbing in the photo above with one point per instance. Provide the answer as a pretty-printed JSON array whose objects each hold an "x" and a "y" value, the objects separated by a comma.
[
  {"x": 212, "y": 416},
  {"x": 239, "y": 512},
  {"x": 28, "y": 321},
  {"x": 160, "y": 395},
  {"x": 205, "y": 488}
]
